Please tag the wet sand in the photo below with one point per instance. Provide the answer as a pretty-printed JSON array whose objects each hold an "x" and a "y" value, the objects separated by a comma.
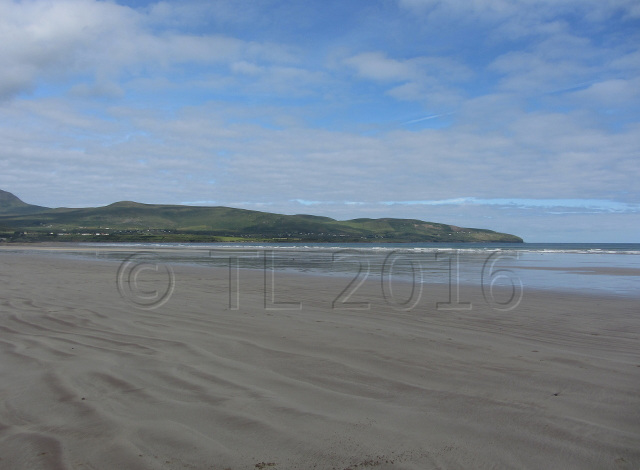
[{"x": 100, "y": 372}]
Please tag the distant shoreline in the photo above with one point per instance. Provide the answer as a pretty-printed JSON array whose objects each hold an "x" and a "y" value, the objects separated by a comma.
[{"x": 573, "y": 269}]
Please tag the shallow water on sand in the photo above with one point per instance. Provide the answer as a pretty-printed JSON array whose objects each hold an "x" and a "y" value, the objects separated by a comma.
[{"x": 610, "y": 269}]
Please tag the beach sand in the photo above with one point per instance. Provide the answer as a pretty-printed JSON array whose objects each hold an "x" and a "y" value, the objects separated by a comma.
[{"x": 97, "y": 376}]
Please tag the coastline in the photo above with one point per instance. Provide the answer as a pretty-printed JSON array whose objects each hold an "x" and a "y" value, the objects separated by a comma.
[
  {"x": 600, "y": 269},
  {"x": 296, "y": 374}
]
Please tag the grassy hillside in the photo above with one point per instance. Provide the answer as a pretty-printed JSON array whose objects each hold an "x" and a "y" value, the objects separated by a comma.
[
  {"x": 10, "y": 204},
  {"x": 131, "y": 221}
]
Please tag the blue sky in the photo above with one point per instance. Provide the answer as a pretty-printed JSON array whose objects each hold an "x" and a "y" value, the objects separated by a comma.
[{"x": 521, "y": 117}]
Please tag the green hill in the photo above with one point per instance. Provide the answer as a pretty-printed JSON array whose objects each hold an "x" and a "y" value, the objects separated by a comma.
[
  {"x": 10, "y": 204},
  {"x": 131, "y": 221}
]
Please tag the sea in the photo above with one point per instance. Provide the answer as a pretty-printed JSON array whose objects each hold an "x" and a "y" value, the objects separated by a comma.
[{"x": 602, "y": 268}]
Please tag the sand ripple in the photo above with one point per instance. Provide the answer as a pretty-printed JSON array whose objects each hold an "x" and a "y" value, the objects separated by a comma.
[{"x": 89, "y": 381}]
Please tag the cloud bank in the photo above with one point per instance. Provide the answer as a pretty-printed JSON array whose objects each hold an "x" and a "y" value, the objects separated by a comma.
[{"x": 516, "y": 117}]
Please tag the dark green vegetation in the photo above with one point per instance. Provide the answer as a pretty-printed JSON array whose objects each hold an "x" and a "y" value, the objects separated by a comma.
[
  {"x": 10, "y": 204},
  {"x": 131, "y": 221}
]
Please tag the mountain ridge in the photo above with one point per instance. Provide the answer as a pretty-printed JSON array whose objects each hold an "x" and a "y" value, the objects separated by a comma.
[
  {"x": 12, "y": 204},
  {"x": 133, "y": 221}
]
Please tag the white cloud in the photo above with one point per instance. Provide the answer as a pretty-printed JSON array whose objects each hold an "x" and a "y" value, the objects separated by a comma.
[
  {"x": 376, "y": 66},
  {"x": 56, "y": 40},
  {"x": 613, "y": 92},
  {"x": 596, "y": 10},
  {"x": 545, "y": 155},
  {"x": 246, "y": 68},
  {"x": 422, "y": 79},
  {"x": 198, "y": 101},
  {"x": 53, "y": 39},
  {"x": 555, "y": 205}
]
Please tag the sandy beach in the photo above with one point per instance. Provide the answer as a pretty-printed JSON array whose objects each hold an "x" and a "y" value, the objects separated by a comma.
[{"x": 237, "y": 373}]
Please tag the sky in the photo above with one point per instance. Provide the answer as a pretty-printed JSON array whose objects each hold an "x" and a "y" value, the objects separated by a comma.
[{"x": 516, "y": 116}]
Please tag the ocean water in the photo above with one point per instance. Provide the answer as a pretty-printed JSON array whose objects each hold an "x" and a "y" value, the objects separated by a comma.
[{"x": 612, "y": 269}]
